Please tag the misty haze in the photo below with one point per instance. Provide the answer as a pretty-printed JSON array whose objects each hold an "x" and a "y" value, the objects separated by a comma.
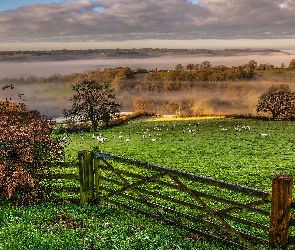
[
  {"x": 234, "y": 97},
  {"x": 47, "y": 68}
]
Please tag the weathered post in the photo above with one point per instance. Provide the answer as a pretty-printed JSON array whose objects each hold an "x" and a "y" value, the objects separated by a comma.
[
  {"x": 280, "y": 210},
  {"x": 97, "y": 173},
  {"x": 86, "y": 176}
]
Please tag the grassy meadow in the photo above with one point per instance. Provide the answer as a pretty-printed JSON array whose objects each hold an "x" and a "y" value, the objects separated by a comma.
[{"x": 241, "y": 157}]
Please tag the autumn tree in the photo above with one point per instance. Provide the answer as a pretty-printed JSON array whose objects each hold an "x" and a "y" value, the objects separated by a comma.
[
  {"x": 278, "y": 101},
  {"x": 205, "y": 64},
  {"x": 27, "y": 152},
  {"x": 190, "y": 67},
  {"x": 144, "y": 104},
  {"x": 93, "y": 101}
]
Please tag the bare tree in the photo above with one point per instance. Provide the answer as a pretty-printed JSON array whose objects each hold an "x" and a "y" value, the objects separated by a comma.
[
  {"x": 292, "y": 64},
  {"x": 278, "y": 100},
  {"x": 93, "y": 101},
  {"x": 179, "y": 67}
]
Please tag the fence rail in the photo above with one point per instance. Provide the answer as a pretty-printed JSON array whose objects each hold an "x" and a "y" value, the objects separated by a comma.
[{"x": 233, "y": 214}]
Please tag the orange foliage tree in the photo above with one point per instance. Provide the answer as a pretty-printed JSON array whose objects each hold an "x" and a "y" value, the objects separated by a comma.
[{"x": 27, "y": 153}]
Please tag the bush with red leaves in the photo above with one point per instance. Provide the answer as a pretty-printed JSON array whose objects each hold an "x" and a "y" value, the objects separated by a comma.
[{"x": 27, "y": 153}]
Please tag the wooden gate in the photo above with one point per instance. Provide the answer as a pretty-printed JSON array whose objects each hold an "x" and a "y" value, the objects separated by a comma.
[{"x": 214, "y": 209}]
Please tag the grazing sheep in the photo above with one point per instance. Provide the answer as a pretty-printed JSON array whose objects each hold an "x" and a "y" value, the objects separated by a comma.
[
  {"x": 154, "y": 139},
  {"x": 223, "y": 129},
  {"x": 127, "y": 139},
  {"x": 101, "y": 139},
  {"x": 263, "y": 135},
  {"x": 120, "y": 137},
  {"x": 246, "y": 127},
  {"x": 237, "y": 128}
]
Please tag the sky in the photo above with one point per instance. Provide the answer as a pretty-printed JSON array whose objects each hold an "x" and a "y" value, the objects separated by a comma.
[{"x": 87, "y": 24}]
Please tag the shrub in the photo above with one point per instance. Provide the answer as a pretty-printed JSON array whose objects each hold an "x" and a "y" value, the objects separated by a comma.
[{"x": 27, "y": 153}]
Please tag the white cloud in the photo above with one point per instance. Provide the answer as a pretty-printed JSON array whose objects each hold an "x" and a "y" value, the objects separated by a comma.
[{"x": 118, "y": 20}]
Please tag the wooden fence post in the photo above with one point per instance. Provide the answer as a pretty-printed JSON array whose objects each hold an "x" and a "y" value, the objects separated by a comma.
[
  {"x": 97, "y": 173},
  {"x": 280, "y": 210},
  {"x": 86, "y": 176}
]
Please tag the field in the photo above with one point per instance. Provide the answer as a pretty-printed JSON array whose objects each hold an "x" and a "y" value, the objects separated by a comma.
[
  {"x": 242, "y": 156},
  {"x": 236, "y": 156}
]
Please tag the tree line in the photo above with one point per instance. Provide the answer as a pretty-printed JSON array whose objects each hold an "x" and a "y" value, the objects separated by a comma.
[{"x": 160, "y": 80}]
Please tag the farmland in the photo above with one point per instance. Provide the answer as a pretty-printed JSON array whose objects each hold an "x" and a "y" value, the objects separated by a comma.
[
  {"x": 241, "y": 157},
  {"x": 235, "y": 156}
]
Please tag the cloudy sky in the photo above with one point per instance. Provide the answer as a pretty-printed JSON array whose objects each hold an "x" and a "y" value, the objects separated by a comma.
[{"x": 47, "y": 24}]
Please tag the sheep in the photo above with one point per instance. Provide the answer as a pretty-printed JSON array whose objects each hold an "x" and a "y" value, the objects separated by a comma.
[
  {"x": 237, "y": 128},
  {"x": 93, "y": 137},
  {"x": 127, "y": 140},
  {"x": 246, "y": 127},
  {"x": 263, "y": 135},
  {"x": 120, "y": 137},
  {"x": 154, "y": 139},
  {"x": 100, "y": 139},
  {"x": 223, "y": 129}
]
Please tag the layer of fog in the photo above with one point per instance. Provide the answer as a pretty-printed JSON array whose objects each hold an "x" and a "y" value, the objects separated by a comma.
[
  {"x": 46, "y": 68},
  {"x": 51, "y": 98},
  {"x": 208, "y": 98}
]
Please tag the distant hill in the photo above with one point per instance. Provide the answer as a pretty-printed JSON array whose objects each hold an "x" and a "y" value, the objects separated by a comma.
[{"x": 63, "y": 55}]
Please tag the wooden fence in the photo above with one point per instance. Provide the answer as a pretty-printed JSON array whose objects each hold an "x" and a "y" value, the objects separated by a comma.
[{"x": 237, "y": 215}]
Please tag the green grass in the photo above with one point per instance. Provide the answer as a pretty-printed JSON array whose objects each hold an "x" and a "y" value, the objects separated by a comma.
[
  {"x": 67, "y": 226},
  {"x": 240, "y": 157}
]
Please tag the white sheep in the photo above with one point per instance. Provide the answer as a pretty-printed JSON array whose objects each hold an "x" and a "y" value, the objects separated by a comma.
[
  {"x": 263, "y": 135},
  {"x": 100, "y": 139},
  {"x": 237, "y": 128},
  {"x": 154, "y": 139},
  {"x": 127, "y": 139}
]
